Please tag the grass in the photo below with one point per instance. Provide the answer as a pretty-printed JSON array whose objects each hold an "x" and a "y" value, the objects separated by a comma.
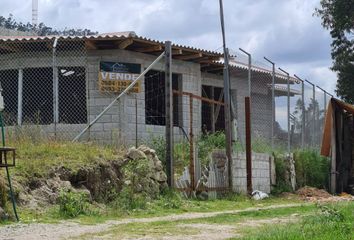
[
  {"x": 37, "y": 159},
  {"x": 185, "y": 227},
  {"x": 330, "y": 221},
  {"x": 335, "y": 221}
]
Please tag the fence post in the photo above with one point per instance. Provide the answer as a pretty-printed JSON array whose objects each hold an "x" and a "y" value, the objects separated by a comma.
[
  {"x": 20, "y": 97},
  {"x": 227, "y": 109},
  {"x": 169, "y": 114},
  {"x": 313, "y": 112},
  {"x": 273, "y": 100},
  {"x": 191, "y": 144},
  {"x": 288, "y": 106},
  {"x": 55, "y": 89},
  {"x": 248, "y": 145},
  {"x": 302, "y": 111}
]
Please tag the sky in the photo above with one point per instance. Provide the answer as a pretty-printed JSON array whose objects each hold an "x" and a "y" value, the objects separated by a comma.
[{"x": 284, "y": 31}]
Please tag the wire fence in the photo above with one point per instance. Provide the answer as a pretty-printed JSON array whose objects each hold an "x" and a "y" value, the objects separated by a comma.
[{"x": 54, "y": 88}]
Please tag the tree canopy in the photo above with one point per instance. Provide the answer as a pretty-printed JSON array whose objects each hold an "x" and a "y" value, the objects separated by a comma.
[
  {"x": 41, "y": 29},
  {"x": 338, "y": 17}
]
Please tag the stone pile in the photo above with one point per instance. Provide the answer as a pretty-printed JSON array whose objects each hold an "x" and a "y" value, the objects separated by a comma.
[{"x": 155, "y": 174}]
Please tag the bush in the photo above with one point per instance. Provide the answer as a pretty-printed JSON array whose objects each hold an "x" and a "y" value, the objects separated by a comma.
[
  {"x": 208, "y": 143},
  {"x": 282, "y": 184},
  {"x": 73, "y": 204},
  {"x": 311, "y": 169}
]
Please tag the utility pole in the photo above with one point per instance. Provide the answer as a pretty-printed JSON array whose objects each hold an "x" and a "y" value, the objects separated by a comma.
[{"x": 227, "y": 99}]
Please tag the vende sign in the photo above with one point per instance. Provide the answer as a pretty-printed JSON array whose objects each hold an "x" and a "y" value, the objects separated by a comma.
[{"x": 116, "y": 76}]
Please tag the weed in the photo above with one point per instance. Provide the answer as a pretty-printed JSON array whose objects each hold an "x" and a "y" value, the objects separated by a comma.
[
  {"x": 73, "y": 204},
  {"x": 311, "y": 169}
]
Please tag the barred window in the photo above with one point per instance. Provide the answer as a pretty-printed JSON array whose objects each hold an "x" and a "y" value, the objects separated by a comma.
[
  {"x": 9, "y": 85},
  {"x": 38, "y": 95},
  {"x": 72, "y": 95}
]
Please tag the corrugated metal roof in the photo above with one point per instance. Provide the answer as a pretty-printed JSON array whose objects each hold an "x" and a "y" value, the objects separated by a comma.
[{"x": 104, "y": 36}]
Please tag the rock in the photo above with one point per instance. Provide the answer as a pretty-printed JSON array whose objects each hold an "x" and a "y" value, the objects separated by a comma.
[
  {"x": 160, "y": 176},
  {"x": 3, "y": 214},
  {"x": 135, "y": 154},
  {"x": 158, "y": 165}
]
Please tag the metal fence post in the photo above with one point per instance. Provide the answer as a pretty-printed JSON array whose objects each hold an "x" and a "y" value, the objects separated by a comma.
[
  {"x": 313, "y": 112},
  {"x": 273, "y": 100},
  {"x": 302, "y": 111},
  {"x": 20, "y": 97},
  {"x": 169, "y": 113},
  {"x": 55, "y": 89},
  {"x": 288, "y": 104},
  {"x": 249, "y": 70}
]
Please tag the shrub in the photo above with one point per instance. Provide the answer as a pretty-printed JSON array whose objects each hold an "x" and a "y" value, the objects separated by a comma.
[
  {"x": 282, "y": 184},
  {"x": 73, "y": 204},
  {"x": 311, "y": 169}
]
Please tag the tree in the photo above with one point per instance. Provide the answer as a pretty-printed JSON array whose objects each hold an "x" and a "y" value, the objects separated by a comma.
[
  {"x": 338, "y": 17},
  {"x": 41, "y": 29}
]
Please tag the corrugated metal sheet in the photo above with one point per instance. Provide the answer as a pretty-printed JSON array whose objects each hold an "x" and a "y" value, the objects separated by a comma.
[{"x": 104, "y": 36}]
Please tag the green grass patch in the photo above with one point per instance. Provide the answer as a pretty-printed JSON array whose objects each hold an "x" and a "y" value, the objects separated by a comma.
[
  {"x": 333, "y": 221},
  {"x": 36, "y": 159},
  {"x": 163, "y": 228}
]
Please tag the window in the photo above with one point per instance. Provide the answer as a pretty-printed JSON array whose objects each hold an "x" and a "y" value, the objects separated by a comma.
[
  {"x": 37, "y": 95},
  {"x": 72, "y": 95},
  {"x": 155, "y": 111},
  {"x": 207, "y": 109},
  {"x": 9, "y": 85}
]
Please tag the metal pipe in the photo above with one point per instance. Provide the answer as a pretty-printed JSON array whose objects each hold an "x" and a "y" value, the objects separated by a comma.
[
  {"x": 313, "y": 111},
  {"x": 119, "y": 96},
  {"x": 249, "y": 70},
  {"x": 55, "y": 88},
  {"x": 288, "y": 103},
  {"x": 302, "y": 111},
  {"x": 273, "y": 100}
]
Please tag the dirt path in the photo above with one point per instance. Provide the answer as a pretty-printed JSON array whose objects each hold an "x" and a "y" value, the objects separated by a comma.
[{"x": 69, "y": 229}]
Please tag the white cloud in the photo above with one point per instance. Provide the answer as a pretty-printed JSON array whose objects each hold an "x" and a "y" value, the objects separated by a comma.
[{"x": 285, "y": 31}]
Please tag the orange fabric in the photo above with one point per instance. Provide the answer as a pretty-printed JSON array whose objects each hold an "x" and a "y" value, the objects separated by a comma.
[{"x": 327, "y": 131}]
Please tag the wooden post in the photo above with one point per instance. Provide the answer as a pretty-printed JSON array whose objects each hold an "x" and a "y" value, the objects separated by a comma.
[
  {"x": 248, "y": 145},
  {"x": 333, "y": 179},
  {"x": 169, "y": 114},
  {"x": 212, "y": 111}
]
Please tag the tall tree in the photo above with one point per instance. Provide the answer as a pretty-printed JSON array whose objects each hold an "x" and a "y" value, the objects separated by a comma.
[{"x": 338, "y": 17}]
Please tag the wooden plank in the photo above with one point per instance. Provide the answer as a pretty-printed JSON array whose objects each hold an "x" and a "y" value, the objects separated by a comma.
[
  {"x": 125, "y": 43},
  {"x": 208, "y": 59},
  {"x": 177, "y": 51},
  {"x": 218, "y": 107},
  {"x": 198, "y": 97},
  {"x": 212, "y": 111},
  {"x": 149, "y": 49},
  {"x": 189, "y": 56},
  {"x": 90, "y": 45}
]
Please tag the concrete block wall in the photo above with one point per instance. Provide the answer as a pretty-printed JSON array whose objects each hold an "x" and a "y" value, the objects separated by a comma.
[
  {"x": 262, "y": 165},
  {"x": 123, "y": 116}
]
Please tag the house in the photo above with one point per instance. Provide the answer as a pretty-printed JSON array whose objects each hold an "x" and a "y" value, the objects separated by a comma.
[{"x": 61, "y": 83}]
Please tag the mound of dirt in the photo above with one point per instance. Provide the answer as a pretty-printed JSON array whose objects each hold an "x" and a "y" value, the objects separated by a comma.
[
  {"x": 311, "y": 192},
  {"x": 100, "y": 181}
]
